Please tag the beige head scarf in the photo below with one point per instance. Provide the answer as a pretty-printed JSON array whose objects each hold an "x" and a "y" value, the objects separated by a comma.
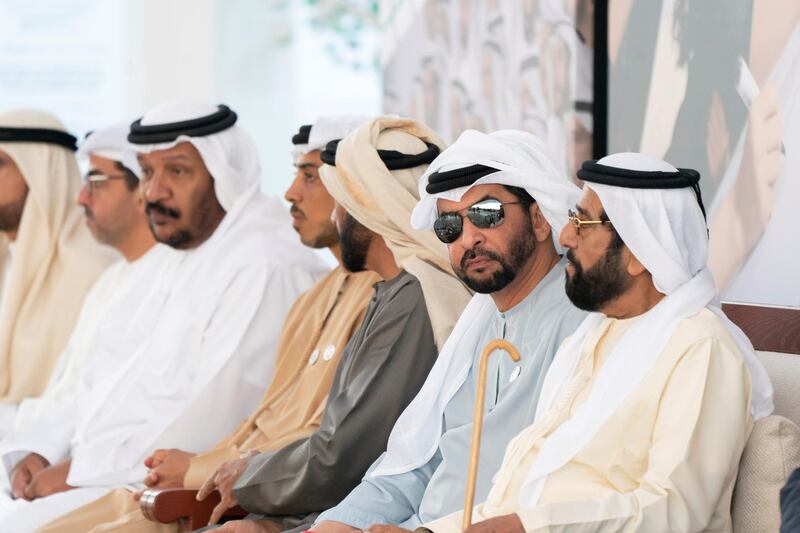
[
  {"x": 55, "y": 262},
  {"x": 382, "y": 200}
]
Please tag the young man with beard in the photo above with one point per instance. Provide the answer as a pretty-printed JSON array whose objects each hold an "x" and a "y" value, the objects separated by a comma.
[
  {"x": 48, "y": 259},
  {"x": 648, "y": 405},
  {"x": 207, "y": 343},
  {"x": 495, "y": 200},
  {"x": 414, "y": 309},
  {"x": 313, "y": 339}
]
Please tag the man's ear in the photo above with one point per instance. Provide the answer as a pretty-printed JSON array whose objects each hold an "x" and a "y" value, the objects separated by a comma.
[
  {"x": 633, "y": 265},
  {"x": 541, "y": 228}
]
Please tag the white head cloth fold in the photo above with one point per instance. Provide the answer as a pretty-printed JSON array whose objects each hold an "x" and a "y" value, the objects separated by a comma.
[
  {"x": 55, "y": 260},
  {"x": 382, "y": 201},
  {"x": 524, "y": 162},
  {"x": 108, "y": 142},
  {"x": 329, "y": 128},
  {"x": 230, "y": 155},
  {"x": 665, "y": 229}
]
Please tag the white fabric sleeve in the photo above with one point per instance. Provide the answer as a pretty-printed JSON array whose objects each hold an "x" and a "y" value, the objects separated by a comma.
[{"x": 196, "y": 397}]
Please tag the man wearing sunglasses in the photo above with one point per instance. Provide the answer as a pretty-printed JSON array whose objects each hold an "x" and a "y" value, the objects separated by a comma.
[
  {"x": 647, "y": 407},
  {"x": 495, "y": 200}
]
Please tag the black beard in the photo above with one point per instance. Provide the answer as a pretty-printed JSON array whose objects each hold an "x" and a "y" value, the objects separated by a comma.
[
  {"x": 204, "y": 222},
  {"x": 11, "y": 214},
  {"x": 354, "y": 240},
  {"x": 592, "y": 289},
  {"x": 520, "y": 250},
  {"x": 179, "y": 239}
]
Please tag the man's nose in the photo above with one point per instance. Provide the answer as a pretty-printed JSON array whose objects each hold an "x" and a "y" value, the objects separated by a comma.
[
  {"x": 471, "y": 235},
  {"x": 155, "y": 189},
  {"x": 568, "y": 238},
  {"x": 292, "y": 194},
  {"x": 84, "y": 196}
]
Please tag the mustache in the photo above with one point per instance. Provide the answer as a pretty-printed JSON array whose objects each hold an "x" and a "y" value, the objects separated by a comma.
[
  {"x": 571, "y": 258},
  {"x": 161, "y": 209},
  {"x": 88, "y": 213},
  {"x": 478, "y": 251},
  {"x": 296, "y": 211}
]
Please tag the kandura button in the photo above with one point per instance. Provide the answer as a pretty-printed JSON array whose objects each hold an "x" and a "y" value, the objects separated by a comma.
[
  {"x": 313, "y": 358},
  {"x": 514, "y": 374},
  {"x": 330, "y": 350}
]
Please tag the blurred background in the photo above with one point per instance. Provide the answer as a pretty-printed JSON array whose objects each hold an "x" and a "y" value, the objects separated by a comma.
[
  {"x": 707, "y": 84},
  {"x": 277, "y": 63}
]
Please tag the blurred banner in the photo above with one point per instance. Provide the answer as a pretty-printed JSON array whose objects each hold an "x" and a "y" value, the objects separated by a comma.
[
  {"x": 489, "y": 65},
  {"x": 715, "y": 85}
]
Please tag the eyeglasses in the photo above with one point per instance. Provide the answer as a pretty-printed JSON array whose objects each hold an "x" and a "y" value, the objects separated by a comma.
[
  {"x": 485, "y": 214},
  {"x": 572, "y": 216},
  {"x": 95, "y": 181}
]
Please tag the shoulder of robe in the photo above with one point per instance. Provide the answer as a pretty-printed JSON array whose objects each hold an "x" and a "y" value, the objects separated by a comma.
[
  {"x": 701, "y": 327},
  {"x": 362, "y": 280},
  {"x": 405, "y": 294}
]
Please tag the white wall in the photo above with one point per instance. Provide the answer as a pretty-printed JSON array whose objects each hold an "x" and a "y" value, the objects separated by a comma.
[{"x": 94, "y": 62}]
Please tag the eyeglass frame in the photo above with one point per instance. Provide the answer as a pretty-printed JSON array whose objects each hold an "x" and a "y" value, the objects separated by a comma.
[
  {"x": 90, "y": 179},
  {"x": 576, "y": 222}
]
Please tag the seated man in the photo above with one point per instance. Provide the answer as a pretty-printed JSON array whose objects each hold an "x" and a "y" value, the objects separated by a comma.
[
  {"x": 387, "y": 361},
  {"x": 647, "y": 407},
  {"x": 190, "y": 375},
  {"x": 313, "y": 338},
  {"x": 114, "y": 212},
  {"x": 496, "y": 201},
  {"x": 49, "y": 259}
]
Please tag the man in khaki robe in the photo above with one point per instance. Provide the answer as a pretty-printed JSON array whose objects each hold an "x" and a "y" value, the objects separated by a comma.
[
  {"x": 50, "y": 258},
  {"x": 314, "y": 334}
]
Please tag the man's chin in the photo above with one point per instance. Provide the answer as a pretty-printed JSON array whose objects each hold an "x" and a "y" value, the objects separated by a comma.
[
  {"x": 484, "y": 284},
  {"x": 174, "y": 238}
]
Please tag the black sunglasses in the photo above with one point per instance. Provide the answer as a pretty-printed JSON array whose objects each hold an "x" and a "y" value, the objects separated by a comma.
[{"x": 485, "y": 214}]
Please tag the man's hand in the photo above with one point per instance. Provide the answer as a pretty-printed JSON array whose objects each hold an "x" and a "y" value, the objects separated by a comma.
[
  {"x": 332, "y": 526},
  {"x": 249, "y": 526},
  {"x": 223, "y": 480},
  {"x": 23, "y": 473},
  {"x": 49, "y": 481},
  {"x": 509, "y": 523},
  {"x": 381, "y": 528},
  {"x": 167, "y": 468}
]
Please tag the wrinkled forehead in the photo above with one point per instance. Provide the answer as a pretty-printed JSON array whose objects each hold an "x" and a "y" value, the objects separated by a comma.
[
  {"x": 590, "y": 202},
  {"x": 182, "y": 152}
]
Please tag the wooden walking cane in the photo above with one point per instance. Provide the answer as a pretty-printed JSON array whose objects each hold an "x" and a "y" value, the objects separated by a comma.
[{"x": 477, "y": 423}]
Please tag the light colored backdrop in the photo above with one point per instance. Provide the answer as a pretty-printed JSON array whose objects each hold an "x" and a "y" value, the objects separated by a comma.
[
  {"x": 489, "y": 64},
  {"x": 677, "y": 68},
  {"x": 95, "y": 62}
]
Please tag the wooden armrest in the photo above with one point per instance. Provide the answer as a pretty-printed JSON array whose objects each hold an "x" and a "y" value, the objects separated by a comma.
[{"x": 170, "y": 505}]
